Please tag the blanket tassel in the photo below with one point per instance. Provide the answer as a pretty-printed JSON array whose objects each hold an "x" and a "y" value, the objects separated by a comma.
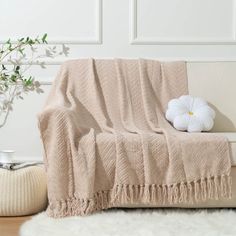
[{"x": 209, "y": 188}]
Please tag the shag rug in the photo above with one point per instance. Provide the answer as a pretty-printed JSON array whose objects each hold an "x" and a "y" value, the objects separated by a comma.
[{"x": 154, "y": 222}]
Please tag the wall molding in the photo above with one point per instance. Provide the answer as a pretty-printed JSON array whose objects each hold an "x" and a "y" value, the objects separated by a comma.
[
  {"x": 136, "y": 40},
  {"x": 58, "y": 62},
  {"x": 97, "y": 39},
  {"x": 55, "y": 62}
]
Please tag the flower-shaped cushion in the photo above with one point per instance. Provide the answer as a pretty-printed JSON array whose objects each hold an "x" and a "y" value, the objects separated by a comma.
[{"x": 191, "y": 114}]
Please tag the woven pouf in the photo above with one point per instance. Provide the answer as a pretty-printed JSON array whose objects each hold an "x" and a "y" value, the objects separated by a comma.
[{"x": 23, "y": 191}]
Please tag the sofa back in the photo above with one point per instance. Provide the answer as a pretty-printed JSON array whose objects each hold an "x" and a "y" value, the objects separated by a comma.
[{"x": 216, "y": 82}]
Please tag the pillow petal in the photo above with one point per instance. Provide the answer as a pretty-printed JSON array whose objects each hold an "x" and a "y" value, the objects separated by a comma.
[
  {"x": 187, "y": 100},
  {"x": 175, "y": 108},
  {"x": 205, "y": 111},
  {"x": 198, "y": 103},
  {"x": 207, "y": 122},
  {"x": 175, "y": 111},
  {"x": 181, "y": 122},
  {"x": 176, "y": 103},
  {"x": 195, "y": 125}
]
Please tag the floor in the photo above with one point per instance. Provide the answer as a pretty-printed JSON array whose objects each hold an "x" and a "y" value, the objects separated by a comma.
[{"x": 9, "y": 226}]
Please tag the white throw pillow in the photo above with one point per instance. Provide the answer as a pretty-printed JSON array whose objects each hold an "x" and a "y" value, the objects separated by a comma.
[{"x": 191, "y": 114}]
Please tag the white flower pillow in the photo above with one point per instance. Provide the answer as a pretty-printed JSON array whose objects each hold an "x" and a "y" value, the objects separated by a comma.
[{"x": 191, "y": 114}]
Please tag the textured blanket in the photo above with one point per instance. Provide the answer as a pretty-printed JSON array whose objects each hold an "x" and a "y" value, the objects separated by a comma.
[{"x": 107, "y": 142}]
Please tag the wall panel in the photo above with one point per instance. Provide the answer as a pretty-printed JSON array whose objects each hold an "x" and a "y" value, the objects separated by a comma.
[{"x": 202, "y": 32}]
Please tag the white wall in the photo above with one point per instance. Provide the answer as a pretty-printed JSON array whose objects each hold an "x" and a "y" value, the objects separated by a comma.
[{"x": 199, "y": 31}]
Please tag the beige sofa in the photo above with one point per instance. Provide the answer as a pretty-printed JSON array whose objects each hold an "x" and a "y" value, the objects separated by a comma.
[{"x": 216, "y": 82}]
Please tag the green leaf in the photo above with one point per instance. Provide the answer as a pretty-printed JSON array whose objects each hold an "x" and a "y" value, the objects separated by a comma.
[
  {"x": 44, "y": 38},
  {"x": 21, "y": 50}
]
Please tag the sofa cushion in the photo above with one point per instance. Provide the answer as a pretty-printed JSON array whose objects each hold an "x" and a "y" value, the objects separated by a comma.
[
  {"x": 233, "y": 150},
  {"x": 132, "y": 144}
]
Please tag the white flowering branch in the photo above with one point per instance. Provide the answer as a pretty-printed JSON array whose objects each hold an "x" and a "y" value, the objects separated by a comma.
[{"x": 14, "y": 84}]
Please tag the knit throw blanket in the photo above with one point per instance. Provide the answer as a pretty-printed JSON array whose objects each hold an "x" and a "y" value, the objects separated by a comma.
[{"x": 107, "y": 142}]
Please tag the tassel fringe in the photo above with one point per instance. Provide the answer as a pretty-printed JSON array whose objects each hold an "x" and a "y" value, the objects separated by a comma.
[{"x": 190, "y": 192}]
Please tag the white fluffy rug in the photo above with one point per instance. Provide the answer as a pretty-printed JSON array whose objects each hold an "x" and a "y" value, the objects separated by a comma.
[{"x": 136, "y": 223}]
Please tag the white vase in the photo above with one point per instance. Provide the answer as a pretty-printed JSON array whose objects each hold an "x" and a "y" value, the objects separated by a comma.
[{"x": 6, "y": 156}]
